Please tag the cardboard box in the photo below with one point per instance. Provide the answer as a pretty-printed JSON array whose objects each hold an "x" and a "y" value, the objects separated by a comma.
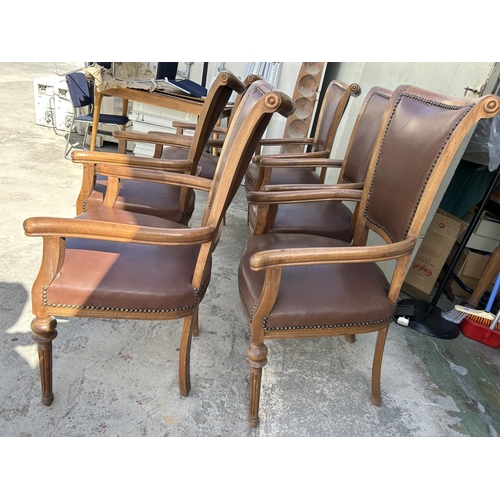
[
  {"x": 486, "y": 236},
  {"x": 469, "y": 269},
  {"x": 438, "y": 241}
]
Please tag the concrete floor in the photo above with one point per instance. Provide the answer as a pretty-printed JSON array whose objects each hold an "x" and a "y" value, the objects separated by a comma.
[{"x": 119, "y": 378}]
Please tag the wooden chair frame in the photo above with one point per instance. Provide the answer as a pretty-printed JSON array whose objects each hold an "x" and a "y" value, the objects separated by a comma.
[
  {"x": 216, "y": 101},
  {"x": 351, "y": 175},
  {"x": 249, "y": 123},
  {"x": 274, "y": 261},
  {"x": 338, "y": 95}
]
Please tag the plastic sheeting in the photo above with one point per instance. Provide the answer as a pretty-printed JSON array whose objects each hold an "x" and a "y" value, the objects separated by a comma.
[{"x": 484, "y": 146}]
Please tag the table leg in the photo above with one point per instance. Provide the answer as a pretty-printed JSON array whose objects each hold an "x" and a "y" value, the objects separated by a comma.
[
  {"x": 122, "y": 143},
  {"x": 95, "y": 121}
]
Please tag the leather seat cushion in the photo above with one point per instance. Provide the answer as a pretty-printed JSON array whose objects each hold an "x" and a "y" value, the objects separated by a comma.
[
  {"x": 160, "y": 200},
  {"x": 207, "y": 162},
  {"x": 281, "y": 176},
  {"x": 327, "y": 296},
  {"x": 327, "y": 218},
  {"x": 117, "y": 275}
]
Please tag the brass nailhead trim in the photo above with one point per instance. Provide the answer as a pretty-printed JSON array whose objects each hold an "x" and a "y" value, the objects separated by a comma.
[
  {"x": 323, "y": 327},
  {"x": 120, "y": 309},
  {"x": 430, "y": 103},
  {"x": 245, "y": 309}
]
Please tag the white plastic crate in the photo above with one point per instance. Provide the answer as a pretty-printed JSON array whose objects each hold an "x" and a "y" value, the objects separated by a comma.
[
  {"x": 147, "y": 149},
  {"x": 158, "y": 115},
  {"x": 146, "y": 118},
  {"x": 45, "y": 101},
  {"x": 53, "y": 107},
  {"x": 63, "y": 106}
]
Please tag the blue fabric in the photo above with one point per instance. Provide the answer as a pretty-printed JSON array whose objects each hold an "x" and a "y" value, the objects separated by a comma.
[
  {"x": 81, "y": 96},
  {"x": 79, "y": 90}
]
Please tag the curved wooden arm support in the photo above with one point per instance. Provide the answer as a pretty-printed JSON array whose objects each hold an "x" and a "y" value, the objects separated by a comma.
[
  {"x": 215, "y": 143},
  {"x": 304, "y": 195},
  {"x": 183, "y": 125},
  {"x": 315, "y": 187},
  {"x": 285, "y": 141},
  {"x": 160, "y": 176},
  {"x": 165, "y": 139},
  {"x": 302, "y": 161},
  {"x": 110, "y": 231},
  {"x": 312, "y": 256},
  {"x": 314, "y": 154},
  {"x": 192, "y": 126},
  {"x": 130, "y": 160}
]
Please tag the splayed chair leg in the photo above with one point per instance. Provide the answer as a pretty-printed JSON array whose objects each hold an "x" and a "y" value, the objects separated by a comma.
[
  {"x": 257, "y": 359},
  {"x": 44, "y": 332},
  {"x": 351, "y": 338},
  {"x": 195, "y": 323},
  {"x": 377, "y": 366},
  {"x": 190, "y": 322}
]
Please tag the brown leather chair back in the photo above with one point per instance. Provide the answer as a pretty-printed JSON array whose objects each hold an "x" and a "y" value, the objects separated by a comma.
[
  {"x": 260, "y": 100},
  {"x": 334, "y": 104},
  {"x": 411, "y": 157},
  {"x": 216, "y": 100},
  {"x": 363, "y": 136}
]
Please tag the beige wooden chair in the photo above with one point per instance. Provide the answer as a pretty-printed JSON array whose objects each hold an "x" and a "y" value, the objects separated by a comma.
[
  {"x": 110, "y": 263},
  {"x": 299, "y": 286}
]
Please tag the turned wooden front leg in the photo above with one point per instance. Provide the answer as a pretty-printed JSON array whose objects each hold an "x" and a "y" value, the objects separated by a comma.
[
  {"x": 44, "y": 332},
  {"x": 256, "y": 359}
]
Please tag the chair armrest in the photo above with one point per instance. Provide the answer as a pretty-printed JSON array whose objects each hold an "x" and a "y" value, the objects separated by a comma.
[
  {"x": 159, "y": 176},
  {"x": 334, "y": 192},
  {"x": 215, "y": 143},
  {"x": 268, "y": 259},
  {"x": 314, "y": 154},
  {"x": 163, "y": 138},
  {"x": 131, "y": 160},
  {"x": 192, "y": 126},
  {"x": 220, "y": 130},
  {"x": 110, "y": 231},
  {"x": 302, "y": 187},
  {"x": 183, "y": 126},
  {"x": 285, "y": 141},
  {"x": 299, "y": 162}
]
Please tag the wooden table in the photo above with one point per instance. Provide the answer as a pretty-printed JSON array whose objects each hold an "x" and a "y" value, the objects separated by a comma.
[{"x": 170, "y": 101}]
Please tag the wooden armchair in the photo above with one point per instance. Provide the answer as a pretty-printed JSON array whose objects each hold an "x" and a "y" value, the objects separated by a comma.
[
  {"x": 208, "y": 160},
  {"x": 172, "y": 202},
  {"x": 109, "y": 263},
  {"x": 334, "y": 104},
  {"x": 330, "y": 218},
  {"x": 299, "y": 286}
]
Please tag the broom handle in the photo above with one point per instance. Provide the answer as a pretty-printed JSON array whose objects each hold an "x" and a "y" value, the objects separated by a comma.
[
  {"x": 495, "y": 321},
  {"x": 468, "y": 232},
  {"x": 493, "y": 294}
]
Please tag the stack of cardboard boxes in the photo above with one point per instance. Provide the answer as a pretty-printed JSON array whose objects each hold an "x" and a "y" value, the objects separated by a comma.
[{"x": 439, "y": 246}]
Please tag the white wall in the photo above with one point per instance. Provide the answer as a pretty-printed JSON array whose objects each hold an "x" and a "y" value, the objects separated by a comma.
[{"x": 286, "y": 84}]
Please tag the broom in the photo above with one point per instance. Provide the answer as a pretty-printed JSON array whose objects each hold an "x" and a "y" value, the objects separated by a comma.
[{"x": 485, "y": 318}]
